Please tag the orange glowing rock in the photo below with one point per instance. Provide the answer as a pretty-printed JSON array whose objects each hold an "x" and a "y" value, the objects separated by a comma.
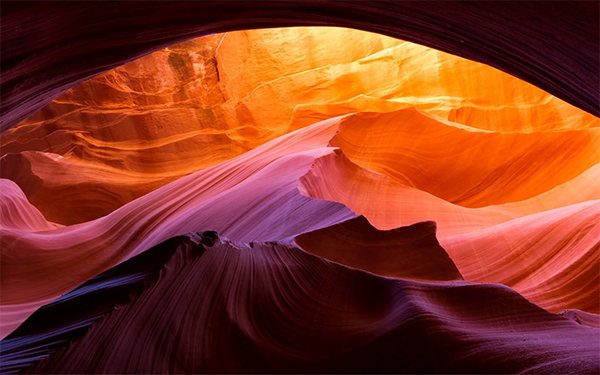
[
  {"x": 545, "y": 247},
  {"x": 272, "y": 77},
  {"x": 380, "y": 206},
  {"x": 208, "y": 100},
  {"x": 16, "y": 213},
  {"x": 466, "y": 166},
  {"x": 223, "y": 133},
  {"x": 388, "y": 204},
  {"x": 70, "y": 190}
]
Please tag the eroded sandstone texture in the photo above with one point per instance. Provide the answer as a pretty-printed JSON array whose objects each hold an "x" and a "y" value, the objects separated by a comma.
[
  {"x": 301, "y": 200},
  {"x": 127, "y": 132}
]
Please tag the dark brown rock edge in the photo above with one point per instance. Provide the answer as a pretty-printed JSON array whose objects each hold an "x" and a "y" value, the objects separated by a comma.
[{"x": 48, "y": 47}]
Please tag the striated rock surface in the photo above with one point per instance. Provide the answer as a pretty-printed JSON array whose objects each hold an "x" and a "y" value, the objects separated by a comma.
[
  {"x": 69, "y": 190},
  {"x": 551, "y": 257},
  {"x": 466, "y": 166},
  {"x": 387, "y": 203},
  {"x": 201, "y": 102},
  {"x": 253, "y": 197},
  {"x": 383, "y": 206},
  {"x": 264, "y": 195},
  {"x": 270, "y": 307},
  {"x": 16, "y": 213},
  {"x": 582, "y": 317}
]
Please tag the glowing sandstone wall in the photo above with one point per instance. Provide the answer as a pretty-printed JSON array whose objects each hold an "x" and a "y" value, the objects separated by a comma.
[
  {"x": 316, "y": 154},
  {"x": 129, "y": 131}
]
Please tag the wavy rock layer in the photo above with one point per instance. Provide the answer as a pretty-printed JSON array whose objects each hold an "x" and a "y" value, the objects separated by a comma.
[
  {"x": 263, "y": 195},
  {"x": 193, "y": 105},
  {"x": 69, "y": 190},
  {"x": 17, "y": 213},
  {"x": 462, "y": 165},
  {"x": 249, "y": 308},
  {"x": 387, "y": 203},
  {"x": 220, "y": 134},
  {"x": 551, "y": 257},
  {"x": 248, "y": 198}
]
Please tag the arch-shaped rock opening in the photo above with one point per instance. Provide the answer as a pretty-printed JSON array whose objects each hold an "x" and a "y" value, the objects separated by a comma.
[
  {"x": 515, "y": 203},
  {"x": 49, "y": 47}
]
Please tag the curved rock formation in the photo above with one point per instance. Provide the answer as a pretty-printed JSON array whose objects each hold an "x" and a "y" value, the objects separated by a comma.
[
  {"x": 387, "y": 203},
  {"x": 476, "y": 168},
  {"x": 71, "y": 191},
  {"x": 545, "y": 247},
  {"x": 356, "y": 155},
  {"x": 248, "y": 198},
  {"x": 582, "y": 317},
  {"x": 250, "y": 308},
  {"x": 202, "y": 102},
  {"x": 262, "y": 195},
  {"x": 16, "y": 213},
  {"x": 551, "y": 257}
]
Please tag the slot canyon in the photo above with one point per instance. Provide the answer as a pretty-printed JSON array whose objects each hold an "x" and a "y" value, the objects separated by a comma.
[{"x": 287, "y": 187}]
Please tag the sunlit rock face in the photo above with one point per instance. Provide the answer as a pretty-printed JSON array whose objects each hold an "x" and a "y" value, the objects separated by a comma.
[
  {"x": 303, "y": 199},
  {"x": 190, "y": 106}
]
